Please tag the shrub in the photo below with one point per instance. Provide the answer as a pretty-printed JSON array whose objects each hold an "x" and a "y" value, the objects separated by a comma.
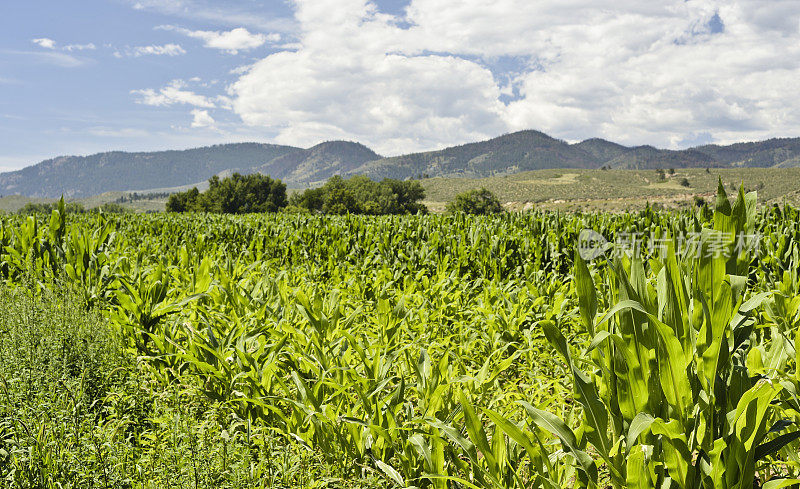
[{"x": 479, "y": 201}]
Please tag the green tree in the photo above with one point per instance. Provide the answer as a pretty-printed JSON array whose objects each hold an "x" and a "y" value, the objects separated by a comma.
[
  {"x": 407, "y": 196},
  {"x": 479, "y": 201},
  {"x": 188, "y": 201},
  {"x": 311, "y": 200},
  {"x": 361, "y": 195},
  {"x": 237, "y": 194},
  {"x": 338, "y": 198}
]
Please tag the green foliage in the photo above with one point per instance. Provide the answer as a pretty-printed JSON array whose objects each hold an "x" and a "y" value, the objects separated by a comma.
[
  {"x": 189, "y": 201},
  {"x": 237, "y": 194},
  {"x": 679, "y": 396},
  {"x": 360, "y": 195},
  {"x": 479, "y": 202},
  {"x": 430, "y": 351},
  {"x": 77, "y": 411}
]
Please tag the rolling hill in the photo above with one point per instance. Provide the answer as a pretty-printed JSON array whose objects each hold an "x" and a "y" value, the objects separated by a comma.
[
  {"x": 319, "y": 163},
  {"x": 601, "y": 149},
  {"x": 780, "y": 153},
  {"x": 81, "y": 176},
  {"x": 511, "y": 153},
  {"x": 650, "y": 158}
]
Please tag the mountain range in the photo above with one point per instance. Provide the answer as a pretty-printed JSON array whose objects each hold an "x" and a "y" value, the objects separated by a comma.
[{"x": 81, "y": 176}]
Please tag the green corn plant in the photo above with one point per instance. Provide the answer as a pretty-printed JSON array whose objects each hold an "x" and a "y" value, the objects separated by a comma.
[
  {"x": 85, "y": 253},
  {"x": 672, "y": 402},
  {"x": 441, "y": 351},
  {"x": 143, "y": 301}
]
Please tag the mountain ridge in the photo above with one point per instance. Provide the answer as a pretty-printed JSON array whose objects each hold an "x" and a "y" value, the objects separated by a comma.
[{"x": 80, "y": 176}]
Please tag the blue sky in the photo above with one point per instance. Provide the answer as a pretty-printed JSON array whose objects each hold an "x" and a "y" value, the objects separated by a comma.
[
  {"x": 77, "y": 99},
  {"x": 99, "y": 75}
]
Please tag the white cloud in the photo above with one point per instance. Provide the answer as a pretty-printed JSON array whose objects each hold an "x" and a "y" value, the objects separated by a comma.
[
  {"x": 653, "y": 72},
  {"x": 174, "y": 93},
  {"x": 48, "y": 43},
  {"x": 152, "y": 50},
  {"x": 240, "y": 70},
  {"x": 665, "y": 79},
  {"x": 202, "y": 119},
  {"x": 45, "y": 43},
  {"x": 233, "y": 41},
  {"x": 80, "y": 47},
  {"x": 390, "y": 102}
]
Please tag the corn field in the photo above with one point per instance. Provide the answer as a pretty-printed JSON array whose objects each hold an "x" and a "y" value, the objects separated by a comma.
[{"x": 457, "y": 351}]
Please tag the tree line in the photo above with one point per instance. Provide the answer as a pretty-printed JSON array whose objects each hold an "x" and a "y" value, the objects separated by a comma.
[
  {"x": 70, "y": 208},
  {"x": 243, "y": 194}
]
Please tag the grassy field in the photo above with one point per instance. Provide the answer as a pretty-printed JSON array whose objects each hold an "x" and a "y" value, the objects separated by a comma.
[
  {"x": 616, "y": 190},
  {"x": 570, "y": 190},
  {"x": 13, "y": 203}
]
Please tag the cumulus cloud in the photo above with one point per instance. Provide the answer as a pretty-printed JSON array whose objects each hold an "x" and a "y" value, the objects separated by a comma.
[
  {"x": 670, "y": 73},
  {"x": 175, "y": 93},
  {"x": 657, "y": 73},
  {"x": 392, "y": 102},
  {"x": 152, "y": 50},
  {"x": 202, "y": 119},
  {"x": 659, "y": 77},
  {"x": 351, "y": 78},
  {"x": 233, "y": 41}
]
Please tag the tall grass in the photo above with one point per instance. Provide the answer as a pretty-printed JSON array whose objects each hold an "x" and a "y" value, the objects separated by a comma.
[{"x": 78, "y": 411}]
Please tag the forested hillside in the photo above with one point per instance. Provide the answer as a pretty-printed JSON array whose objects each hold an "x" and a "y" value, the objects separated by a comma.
[{"x": 82, "y": 176}]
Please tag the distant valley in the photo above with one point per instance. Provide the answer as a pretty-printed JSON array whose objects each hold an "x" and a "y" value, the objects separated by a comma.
[{"x": 82, "y": 176}]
